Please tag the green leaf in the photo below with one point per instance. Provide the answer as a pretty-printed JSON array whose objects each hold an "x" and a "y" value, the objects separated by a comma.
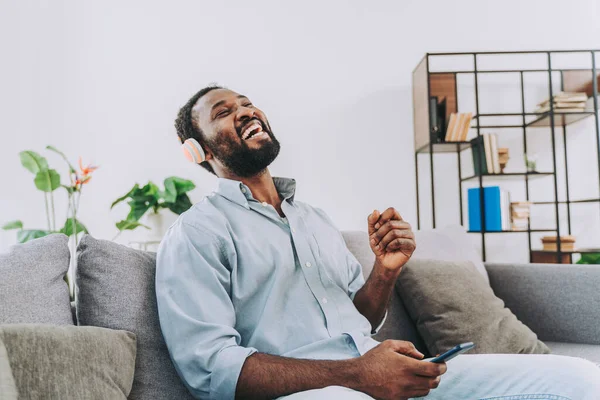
[
  {"x": 33, "y": 161},
  {"x": 13, "y": 225},
  {"x": 129, "y": 225},
  {"x": 181, "y": 204},
  {"x": 60, "y": 153},
  {"x": 147, "y": 193},
  {"x": 589, "y": 258},
  {"x": 126, "y": 195},
  {"x": 138, "y": 209},
  {"x": 68, "y": 228},
  {"x": 26, "y": 235},
  {"x": 170, "y": 193},
  {"x": 181, "y": 185},
  {"x": 47, "y": 180},
  {"x": 69, "y": 189}
]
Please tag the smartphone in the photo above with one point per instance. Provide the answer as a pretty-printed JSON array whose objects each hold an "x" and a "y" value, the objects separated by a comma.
[{"x": 453, "y": 352}]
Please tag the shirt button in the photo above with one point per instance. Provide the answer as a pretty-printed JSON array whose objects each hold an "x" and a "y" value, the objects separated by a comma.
[
  {"x": 308, "y": 264},
  {"x": 293, "y": 230},
  {"x": 324, "y": 300},
  {"x": 264, "y": 204}
]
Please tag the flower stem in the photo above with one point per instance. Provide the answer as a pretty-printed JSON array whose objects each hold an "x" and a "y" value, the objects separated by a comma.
[
  {"x": 47, "y": 210},
  {"x": 53, "y": 211}
]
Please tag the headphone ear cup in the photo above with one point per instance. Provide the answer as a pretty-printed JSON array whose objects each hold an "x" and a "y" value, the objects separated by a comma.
[{"x": 192, "y": 150}]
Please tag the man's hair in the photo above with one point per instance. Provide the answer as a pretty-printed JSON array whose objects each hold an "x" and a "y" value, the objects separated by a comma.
[{"x": 185, "y": 126}]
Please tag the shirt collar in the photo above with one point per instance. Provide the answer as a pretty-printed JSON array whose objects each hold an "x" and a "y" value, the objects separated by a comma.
[{"x": 239, "y": 193}]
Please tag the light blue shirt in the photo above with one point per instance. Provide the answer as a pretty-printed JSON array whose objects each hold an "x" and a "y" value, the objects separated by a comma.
[{"x": 234, "y": 278}]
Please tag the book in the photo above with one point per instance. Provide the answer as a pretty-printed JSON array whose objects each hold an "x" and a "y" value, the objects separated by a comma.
[
  {"x": 492, "y": 209},
  {"x": 433, "y": 119},
  {"x": 488, "y": 154},
  {"x": 458, "y": 127},
  {"x": 474, "y": 209},
  {"x": 465, "y": 128},
  {"x": 442, "y": 118},
  {"x": 494, "y": 150},
  {"x": 505, "y": 210},
  {"x": 562, "y": 104},
  {"x": 451, "y": 125},
  {"x": 478, "y": 153}
]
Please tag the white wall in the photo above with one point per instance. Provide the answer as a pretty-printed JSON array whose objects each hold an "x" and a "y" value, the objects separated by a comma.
[{"x": 105, "y": 79}]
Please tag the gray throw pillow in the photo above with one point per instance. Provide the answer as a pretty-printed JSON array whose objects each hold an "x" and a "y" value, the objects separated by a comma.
[
  {"x": 115, "y": 289},
  {"x": 8, "y": 388},
  {"x": 69, "y": 362},
  {"x": 32, "y": 286},
  {"x": 451, "y": 303}
]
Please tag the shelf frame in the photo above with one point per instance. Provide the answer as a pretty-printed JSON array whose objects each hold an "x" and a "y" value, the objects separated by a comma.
[{"x": 552, "y": 119}]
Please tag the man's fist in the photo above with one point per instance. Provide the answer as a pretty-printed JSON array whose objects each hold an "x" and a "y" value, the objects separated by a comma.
[{"x": 391, "y": 239}]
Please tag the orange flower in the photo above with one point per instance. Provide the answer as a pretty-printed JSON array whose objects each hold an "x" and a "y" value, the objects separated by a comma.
[{"x": 85, "y": 172}]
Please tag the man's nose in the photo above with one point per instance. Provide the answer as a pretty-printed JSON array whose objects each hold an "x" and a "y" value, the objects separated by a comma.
[{"x": 245, "y": 113}]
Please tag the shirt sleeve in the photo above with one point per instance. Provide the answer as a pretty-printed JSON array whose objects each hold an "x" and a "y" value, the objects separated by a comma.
[{"x": 196, "y": 314}]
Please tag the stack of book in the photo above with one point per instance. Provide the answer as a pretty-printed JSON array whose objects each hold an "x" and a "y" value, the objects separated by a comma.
[
  {"x": 485, "y": 154},
  {"x": 565, "y": 102},
  {"x": 519, "y": 213},
  {"x": 458, "y": 127},
  {"x": 567, "y": 243},
  {"x": 496, "y": 209}
]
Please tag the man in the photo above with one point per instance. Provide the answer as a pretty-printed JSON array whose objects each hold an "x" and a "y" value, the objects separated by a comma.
[{"x": 259, "y": 297}]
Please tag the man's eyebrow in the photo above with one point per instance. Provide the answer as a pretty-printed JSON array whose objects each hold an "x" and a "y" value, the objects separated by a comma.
[
  {"x": 221, "y": 102},
  {"x": 217, "y": 104}
]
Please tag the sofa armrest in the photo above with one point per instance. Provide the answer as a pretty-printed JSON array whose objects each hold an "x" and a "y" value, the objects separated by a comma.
[{"x": 559, "y": 302}]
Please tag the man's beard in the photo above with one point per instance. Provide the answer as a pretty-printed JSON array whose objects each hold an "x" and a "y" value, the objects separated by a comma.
[{"x": 242, "y": 160}]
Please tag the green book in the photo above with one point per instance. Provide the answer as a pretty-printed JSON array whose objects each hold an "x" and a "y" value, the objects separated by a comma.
[{"x": 478, "y": 151}]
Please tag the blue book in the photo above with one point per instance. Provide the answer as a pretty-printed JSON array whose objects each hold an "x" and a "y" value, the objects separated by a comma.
[
  {"x": 493, "y": 205},
  {"x": 474, "y": 206},
  {"x": 493, "y": 216}
]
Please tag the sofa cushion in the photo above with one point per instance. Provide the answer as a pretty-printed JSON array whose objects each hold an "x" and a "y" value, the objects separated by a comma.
[
  {"x": 69, "y": 362},
  {"x": 115, "y": 289},
  {"x": 32, "y": 285},
  {"x": 8, "y": 388},
  {"x": 398, "y": 324},
  {"x": 451, "y": 303},
  {"x": 590, "y": 352}
]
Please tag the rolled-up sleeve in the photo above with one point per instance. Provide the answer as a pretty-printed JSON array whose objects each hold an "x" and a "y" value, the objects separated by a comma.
[{"x": 197, "y": 318}]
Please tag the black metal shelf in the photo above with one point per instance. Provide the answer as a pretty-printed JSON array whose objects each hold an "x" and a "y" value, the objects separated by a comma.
[
  {"x": 580, "y": 201},
  {"x": 576, "y": 251},
  {"x": 523, "y": 231},
  {"x": 445, "y": 147},
  {"x": 509, "y": 175},
  {"x": 427, "y": 83},
  {"x": 543, "y": 120}
]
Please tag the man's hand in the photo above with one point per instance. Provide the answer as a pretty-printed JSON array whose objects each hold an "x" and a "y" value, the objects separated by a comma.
[
  {"x": 391, "y": 239},
  {"x": 394, "y": 370}
]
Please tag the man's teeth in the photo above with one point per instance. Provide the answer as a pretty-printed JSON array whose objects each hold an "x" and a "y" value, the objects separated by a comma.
[{"x": 248, "y": 131}]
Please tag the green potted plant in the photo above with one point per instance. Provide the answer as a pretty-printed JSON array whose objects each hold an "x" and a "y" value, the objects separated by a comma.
[
  {"x": 149, "y": 200},
  {"x": 48, "y": 180},
  {"x": 589, "y": 258}
]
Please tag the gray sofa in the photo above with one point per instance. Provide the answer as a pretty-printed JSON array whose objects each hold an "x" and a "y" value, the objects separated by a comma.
[
  {"x": 115, "y": 287},
  {"x": 559, "y": 302}
]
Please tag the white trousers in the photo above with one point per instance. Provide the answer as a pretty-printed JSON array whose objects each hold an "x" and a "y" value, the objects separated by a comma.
[{"x": 499, "y": 377}]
